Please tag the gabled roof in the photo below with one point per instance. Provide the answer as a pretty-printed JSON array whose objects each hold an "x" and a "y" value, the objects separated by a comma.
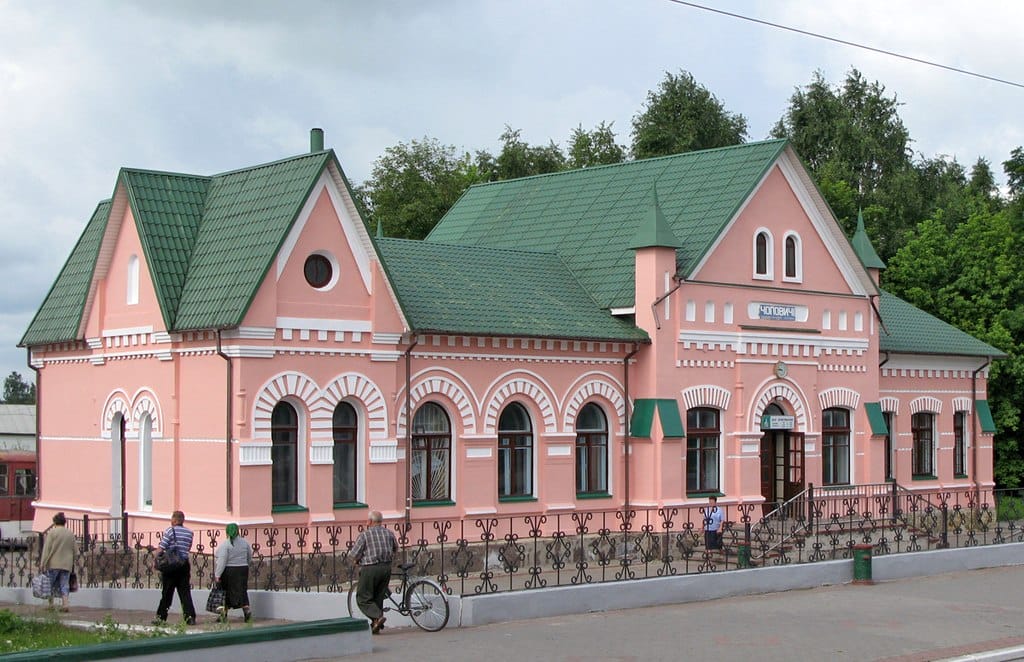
[
  {"x": 910, "y": 330},
  {"x": 246, "y": 218},
  {"x": 59, "y": 316},
  {"x": 591, "y": 216},
  {"x": 169, "y": 209},
  {"x": 471, "y": 290},
  {"x": 208, "y": 243}
]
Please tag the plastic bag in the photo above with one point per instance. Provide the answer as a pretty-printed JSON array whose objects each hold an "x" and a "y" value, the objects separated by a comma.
[{"x": 41, "y": 587}]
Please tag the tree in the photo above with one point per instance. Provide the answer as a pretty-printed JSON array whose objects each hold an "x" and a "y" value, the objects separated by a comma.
[
  {"x": 17, "y": 391},
  {"x": 857, "y": 148},
  {"x": 683, "y": 116},
  {"x": 1014, "y": 169},
  {"x": 973, "y": 278},
  {"x": 413, "y": 185},
  {"x": 519, "y": 159},
  {"x": 597, "y": 147}
]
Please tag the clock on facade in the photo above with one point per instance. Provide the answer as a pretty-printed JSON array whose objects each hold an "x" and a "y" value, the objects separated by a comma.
[{"x": 781, "y": 369}]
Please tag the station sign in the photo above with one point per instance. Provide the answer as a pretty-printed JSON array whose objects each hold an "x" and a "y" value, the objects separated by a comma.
[
  {"x": 776, "y": 311},
  {"x": 769, "y": 422}
]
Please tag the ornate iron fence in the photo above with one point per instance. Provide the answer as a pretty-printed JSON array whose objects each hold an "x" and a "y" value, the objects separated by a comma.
[{"x": 529, "y": 551}]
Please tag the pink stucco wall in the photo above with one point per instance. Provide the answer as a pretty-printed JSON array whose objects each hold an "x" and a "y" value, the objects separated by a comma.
[{"x": 709, "y": 348}]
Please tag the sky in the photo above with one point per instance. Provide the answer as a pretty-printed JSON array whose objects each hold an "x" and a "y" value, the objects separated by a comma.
[{"x": 207, "y": 86}]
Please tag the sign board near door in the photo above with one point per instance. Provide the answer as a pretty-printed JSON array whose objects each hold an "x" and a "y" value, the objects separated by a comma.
[{"x": 769, "y": 422}]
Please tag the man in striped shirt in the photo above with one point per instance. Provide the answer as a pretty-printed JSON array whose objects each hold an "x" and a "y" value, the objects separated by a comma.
[
  {"x": 177, "y": 541},
  {"x": 374, "y": 551}
]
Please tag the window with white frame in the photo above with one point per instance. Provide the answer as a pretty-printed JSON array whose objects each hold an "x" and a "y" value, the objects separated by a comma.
[
  {"x": 344, "y": 430},
  {"x": 132, "y": 286},
  {"x": 793, "y": 269},
  {"x": 763, "y": 255},
  {"x": 284, "y": 455},
  {"x": 515, "y": 452}
]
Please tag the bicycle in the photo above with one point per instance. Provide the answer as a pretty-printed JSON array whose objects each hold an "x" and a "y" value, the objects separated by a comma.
[{"x": 421, "y": 599}]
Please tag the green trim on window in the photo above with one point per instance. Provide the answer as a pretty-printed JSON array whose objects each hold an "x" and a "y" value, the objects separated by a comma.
[
  {"x": 704, "y": 495},
  {"x": 876, "y": 419},
  {"x": 515, "y": 499},
  {"x": 593, "y": 495},
  {"x": 642, "y": 421},
  {"x": 959, "y": 475},
  {"x": 344, "y": 505},
  {"x": 924, "y": 477},
  {"x": 290, "y": 508},
  {"x": 988, "y": 424},
  {"x": 668, "y": 416},
  {"x": 427, "y": 503},
  {"x": 836, "y": 486}
]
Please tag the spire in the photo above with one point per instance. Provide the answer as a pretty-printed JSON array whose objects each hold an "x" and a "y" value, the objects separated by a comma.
[
  {"x": 380, "y": 230},
  {"x": 862, "y": 246},
  {"x": 653, "y": 230}
]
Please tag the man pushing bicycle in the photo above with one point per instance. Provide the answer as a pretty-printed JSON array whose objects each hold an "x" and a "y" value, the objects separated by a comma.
[{"x": 374, "y": 551}]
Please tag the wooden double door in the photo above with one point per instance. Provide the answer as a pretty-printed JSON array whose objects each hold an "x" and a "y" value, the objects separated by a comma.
[{"x": 782, "y": 466}]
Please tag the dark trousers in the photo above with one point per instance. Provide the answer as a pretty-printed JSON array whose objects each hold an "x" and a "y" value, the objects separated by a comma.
[
  {"x": 373, "y": 588},
  {"x": 176, "y": 580},
  {"x": 713, "y": 539}
]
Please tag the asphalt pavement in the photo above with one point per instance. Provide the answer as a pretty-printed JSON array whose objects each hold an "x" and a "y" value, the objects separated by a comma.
[{"x": 964, "y": 615}]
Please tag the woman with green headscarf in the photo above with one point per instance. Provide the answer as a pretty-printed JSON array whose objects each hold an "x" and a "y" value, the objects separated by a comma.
[{"x": 233, "y": 558}]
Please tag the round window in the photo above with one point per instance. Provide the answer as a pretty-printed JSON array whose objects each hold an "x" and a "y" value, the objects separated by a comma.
[{"x": 318, "y": 271}]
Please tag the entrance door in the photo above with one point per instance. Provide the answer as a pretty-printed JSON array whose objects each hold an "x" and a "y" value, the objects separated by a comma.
[{"x": 782, "y": 466}]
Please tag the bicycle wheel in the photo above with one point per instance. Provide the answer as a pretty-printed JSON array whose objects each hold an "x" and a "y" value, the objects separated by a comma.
[{"x": 428, "y": 605}]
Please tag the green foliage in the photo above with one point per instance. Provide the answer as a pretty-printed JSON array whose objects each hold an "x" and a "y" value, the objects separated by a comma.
[
  {"x": 21, "y": 634},
  {"x": 519, "y": 159},
  {"x": 1014, "y": 169},
  {"x": 597, "y": 147},
  {"x": 413, "y": 185},
  {"x": 973, "y": 277},
  {"x": 683, "y": 116},
  {"x": 17, "y": 391}
]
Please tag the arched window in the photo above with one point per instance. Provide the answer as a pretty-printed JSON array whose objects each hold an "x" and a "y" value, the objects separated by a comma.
[
  {"x": 591, "y": 450},
  {"x": 762, "y": 255},
  {"x": 890, "y": 421},
  {"x": 793, "y": 258},
  {"x": 431, "y": 454},
  {"x": 703, "y": 437},
  {"x": 922, "y": 456},
  {"x": 146, "y": 463},
  {"x": 284, "y": 433},
  {"x": 835, "y": 446},
  {"x": 515, "y": 452},
  {"x": 959, "y": 445},
  {"x": 345, "y": 428},
  {"x": 132, "y": 286}
]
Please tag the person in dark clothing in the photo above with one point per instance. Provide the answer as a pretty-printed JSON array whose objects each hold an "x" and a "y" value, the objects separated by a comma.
[
  {"x": 374, "y": 551},
  {"x": 177, "y": 540}
]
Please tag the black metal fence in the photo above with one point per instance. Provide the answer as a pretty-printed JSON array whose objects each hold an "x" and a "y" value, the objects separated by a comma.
[{"x": 524, "y": 552}]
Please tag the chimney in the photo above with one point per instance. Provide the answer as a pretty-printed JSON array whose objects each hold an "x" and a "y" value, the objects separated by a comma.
[{"x": 316, "y": 140}]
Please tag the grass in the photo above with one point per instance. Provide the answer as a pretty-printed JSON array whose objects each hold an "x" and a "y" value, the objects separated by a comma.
[{"x": 21, "y": 634}]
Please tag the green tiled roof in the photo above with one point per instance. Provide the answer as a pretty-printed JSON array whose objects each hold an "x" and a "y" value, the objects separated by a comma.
[
  {"x": 208, "y": 242},
  {"x": 247, "y": 216},
  {"x": 61, "y": 313},
  {"x": 471, "y": 290},
  {"x": 654, "y": 230},
  {"x": 590, "y": 217},
  {"x": 170, "y": 207},
  {"x": 913, "y": 331},
  {"x": 863, "y": 247}
]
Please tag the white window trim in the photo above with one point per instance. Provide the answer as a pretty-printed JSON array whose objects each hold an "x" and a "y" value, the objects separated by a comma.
[
  {"x": 769, "y": 256},
  {"x": 799, "y": 247},
  {"x": 132, "y": 285}
]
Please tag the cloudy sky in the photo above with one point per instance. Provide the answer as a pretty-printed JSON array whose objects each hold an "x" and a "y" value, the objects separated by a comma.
[{"x": 205, "y": 86}]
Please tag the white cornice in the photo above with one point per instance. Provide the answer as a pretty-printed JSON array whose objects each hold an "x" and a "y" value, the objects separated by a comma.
[{"x": 314, "y": 324}]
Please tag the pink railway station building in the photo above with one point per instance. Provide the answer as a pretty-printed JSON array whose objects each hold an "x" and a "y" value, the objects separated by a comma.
[{"x": 241, "y": 347}]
